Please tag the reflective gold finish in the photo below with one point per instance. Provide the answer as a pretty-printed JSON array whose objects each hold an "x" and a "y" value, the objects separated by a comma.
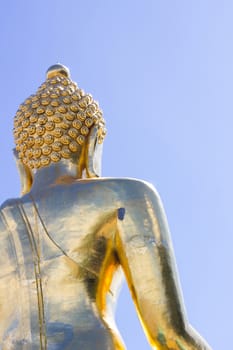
[
  {"x": 67, "y": 241},
  {"x": 59, "y": 112}
]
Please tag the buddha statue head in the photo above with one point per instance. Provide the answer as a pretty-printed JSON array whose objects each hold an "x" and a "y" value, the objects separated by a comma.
[{"x": 59, "y": 123}]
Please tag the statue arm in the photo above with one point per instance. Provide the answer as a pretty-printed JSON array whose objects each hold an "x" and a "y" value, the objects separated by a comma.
[{"x": 145, "y": 252}]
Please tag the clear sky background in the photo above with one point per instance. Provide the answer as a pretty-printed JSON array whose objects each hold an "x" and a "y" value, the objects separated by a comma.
[{"x": 162, "y": 72}]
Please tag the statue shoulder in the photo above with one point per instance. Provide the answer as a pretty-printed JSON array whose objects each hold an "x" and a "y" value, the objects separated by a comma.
[
  {"x": 129, "y": 186},
  {"x": 6, "y": 210},
  {"x": 8, "y": 203}
]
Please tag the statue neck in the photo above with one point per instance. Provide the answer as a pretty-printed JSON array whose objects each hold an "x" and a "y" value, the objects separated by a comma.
[{"x": 65, "y": 170}]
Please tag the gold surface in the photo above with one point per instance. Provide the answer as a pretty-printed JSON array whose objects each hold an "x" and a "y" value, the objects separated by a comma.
[
  {"x": 66, "y": 243},
  {"x": 55, "y": 122}
]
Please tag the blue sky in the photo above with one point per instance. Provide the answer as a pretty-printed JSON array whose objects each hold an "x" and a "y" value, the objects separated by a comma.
[{"x": 162, "y": 72}]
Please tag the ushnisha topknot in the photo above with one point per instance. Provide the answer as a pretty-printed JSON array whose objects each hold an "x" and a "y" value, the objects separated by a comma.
[
  {"x": 57, "y": 69},
  {"x": 55, "y": 121}
]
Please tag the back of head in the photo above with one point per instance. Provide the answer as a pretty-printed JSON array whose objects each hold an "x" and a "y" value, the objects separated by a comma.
[{"x": 55, "y": 122}]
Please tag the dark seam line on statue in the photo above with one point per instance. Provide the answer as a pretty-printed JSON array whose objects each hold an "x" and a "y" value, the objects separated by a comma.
[
  {"x": 121, "y": 213},
  {"x": 37, "y": 272},
  {"x": 55, "y": 243},
  {"x": 44, "y": 228},
  {"x": 36, "y": 261}
]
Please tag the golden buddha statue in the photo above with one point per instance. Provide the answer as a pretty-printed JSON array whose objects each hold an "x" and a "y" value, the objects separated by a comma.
[{"x": 66, "y": 241}]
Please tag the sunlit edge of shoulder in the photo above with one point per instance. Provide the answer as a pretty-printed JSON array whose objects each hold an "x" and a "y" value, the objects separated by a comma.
[
  {"x": 132, "y": 183},
  {"x": 8, "y": 203}
]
